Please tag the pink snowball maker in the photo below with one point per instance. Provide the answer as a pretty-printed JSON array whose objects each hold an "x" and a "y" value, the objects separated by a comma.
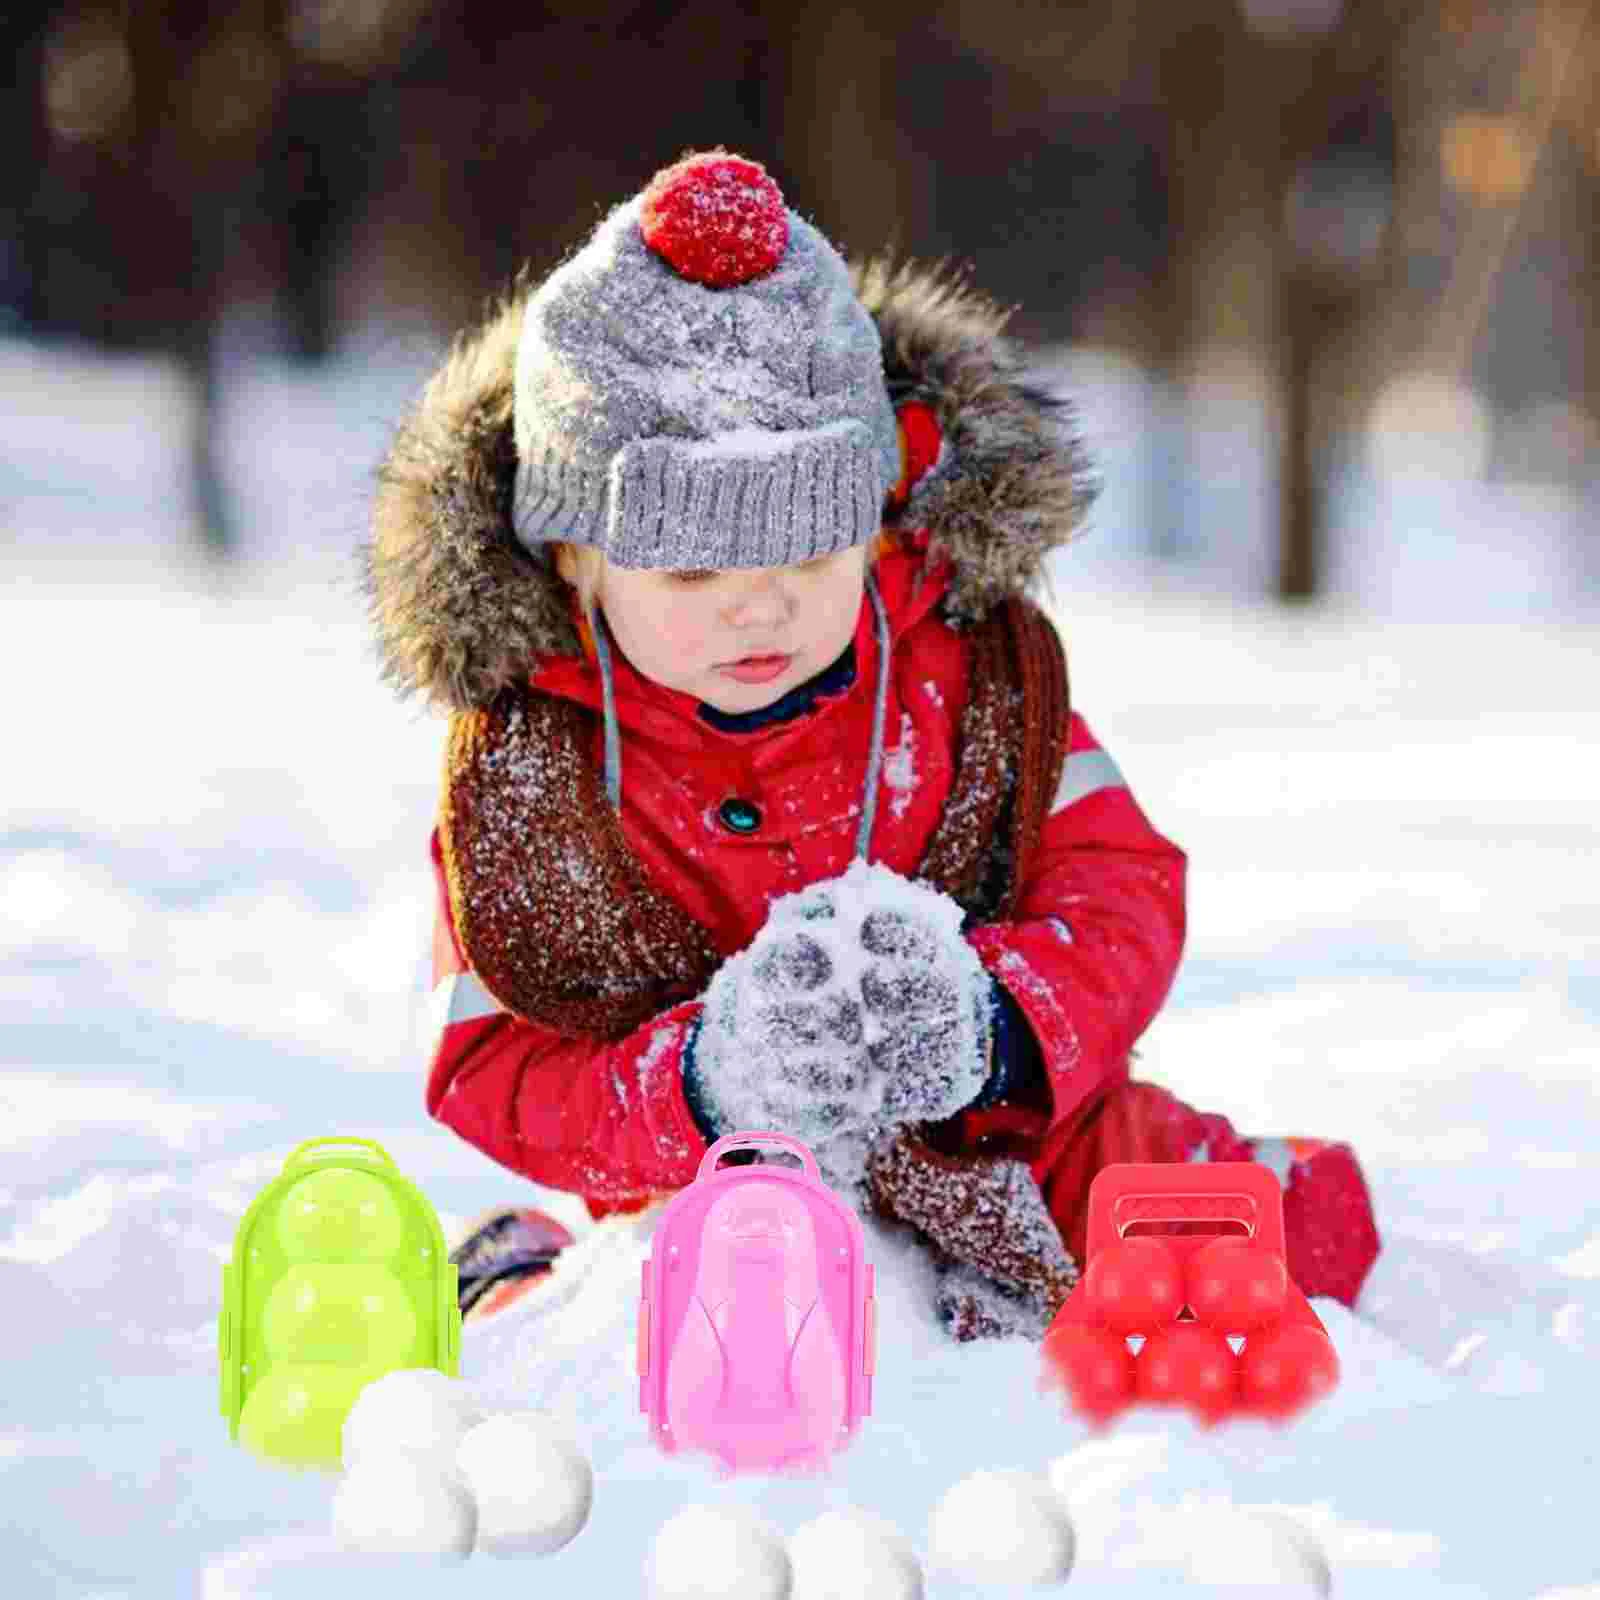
[{"x": 756, "y": 1316}]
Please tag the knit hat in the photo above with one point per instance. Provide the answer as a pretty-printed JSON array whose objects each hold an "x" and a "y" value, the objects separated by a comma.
[{"x": 700, "y": 387}]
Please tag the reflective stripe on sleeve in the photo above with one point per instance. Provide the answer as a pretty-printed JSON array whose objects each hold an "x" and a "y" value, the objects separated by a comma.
[{"x": 1083, "y": 773}]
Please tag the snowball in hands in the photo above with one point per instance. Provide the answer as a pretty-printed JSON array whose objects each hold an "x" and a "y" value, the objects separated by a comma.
[
  {"x": 418, "y": 1411},
  {"x": 1002, "y": 1527},
  {"x": 717, "y": 1553},
  {"x": 858, "y": 1007},
  {"x": 404, "y": 1504},
  {"x": 532, "y": 1485},
  {"x": 853, "y": 1555}
]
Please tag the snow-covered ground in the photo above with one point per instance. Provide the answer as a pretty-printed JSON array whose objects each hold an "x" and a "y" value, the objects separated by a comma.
[{"x": 216, "y": 910}]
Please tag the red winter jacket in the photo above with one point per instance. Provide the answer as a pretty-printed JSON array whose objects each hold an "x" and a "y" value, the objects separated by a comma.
[{"x": 1089, "y": 958}]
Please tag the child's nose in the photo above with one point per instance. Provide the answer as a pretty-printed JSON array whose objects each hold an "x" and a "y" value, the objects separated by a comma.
[{"x": 764, "y": 597}]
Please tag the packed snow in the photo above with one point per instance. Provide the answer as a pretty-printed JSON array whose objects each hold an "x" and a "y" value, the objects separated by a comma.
[{"x": 214, "y": 860}]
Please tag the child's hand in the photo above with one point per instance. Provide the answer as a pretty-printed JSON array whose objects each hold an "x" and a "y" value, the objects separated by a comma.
[
  {"x": 781, "y": 1043},
  {"x": 925, "y": 998},
  {"x": 859, "y": 1007}
]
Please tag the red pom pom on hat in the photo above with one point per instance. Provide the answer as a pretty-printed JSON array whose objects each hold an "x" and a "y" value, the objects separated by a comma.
[{"x": 716, "y": 219}]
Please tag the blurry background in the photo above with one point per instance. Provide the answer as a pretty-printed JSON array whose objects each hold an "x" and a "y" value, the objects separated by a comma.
[{"x": 1321, "y": 274}]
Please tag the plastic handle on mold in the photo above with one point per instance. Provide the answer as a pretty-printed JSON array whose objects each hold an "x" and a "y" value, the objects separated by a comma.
[
  {"x": 368, "y": 1145},
  {"x": 732, "y": 1141}
]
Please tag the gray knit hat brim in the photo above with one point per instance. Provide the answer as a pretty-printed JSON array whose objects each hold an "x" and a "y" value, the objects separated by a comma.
[{"x": 748, "y": 498}]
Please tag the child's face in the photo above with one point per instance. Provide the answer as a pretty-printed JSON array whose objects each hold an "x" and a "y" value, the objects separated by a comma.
[{"x": 691, "y": 630}]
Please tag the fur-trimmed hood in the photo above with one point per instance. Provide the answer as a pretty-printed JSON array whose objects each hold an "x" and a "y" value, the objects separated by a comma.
[{"x": 461, "y": 609}]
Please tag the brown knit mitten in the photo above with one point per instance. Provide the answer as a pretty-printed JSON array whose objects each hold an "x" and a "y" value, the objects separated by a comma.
[
  {"x": 972, "y": 1306},
  {"x": 981, "y": 1212}
]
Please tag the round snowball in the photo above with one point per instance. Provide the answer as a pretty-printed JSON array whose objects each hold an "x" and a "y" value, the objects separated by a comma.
[
  {"x": 1002, "y": 1527},
  {"x": 853, "y": 1555},
  {"x": 417, "y": 1410},
  {"x": 717, "y": 1553},
  {"x": 404, "y": 1506},
  {"x": 1103, "y": 1480},
  {"x": 532, "y": 1485},
  {"x": 1257, "y": 1547}
]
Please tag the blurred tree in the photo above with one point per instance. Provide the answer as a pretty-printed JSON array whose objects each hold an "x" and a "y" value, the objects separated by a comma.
[
  {"x": 1175, "y": 178},
  {"x": 25, "y": 135},
  {"x": 1333, "y": 197},
  {"x": 1281, "y": 160}
]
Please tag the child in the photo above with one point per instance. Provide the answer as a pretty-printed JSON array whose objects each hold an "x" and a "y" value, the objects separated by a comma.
[{"x": 718, "y": 553}]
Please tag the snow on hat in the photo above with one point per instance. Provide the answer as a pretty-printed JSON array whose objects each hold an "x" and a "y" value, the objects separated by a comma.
[{"x": 700, "y": 387}]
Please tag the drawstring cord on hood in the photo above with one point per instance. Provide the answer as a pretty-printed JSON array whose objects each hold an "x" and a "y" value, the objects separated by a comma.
[
  {"x": 602, "y": 650},
  {"x": 880, "y": 703},
  {"x": 869, "y": 799}
]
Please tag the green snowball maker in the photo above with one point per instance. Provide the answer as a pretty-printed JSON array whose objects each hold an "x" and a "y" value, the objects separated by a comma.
[{"x": 339, "y": 1275}]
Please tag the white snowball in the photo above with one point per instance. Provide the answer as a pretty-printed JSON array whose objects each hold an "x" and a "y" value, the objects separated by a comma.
[
  {"x": 1093, "y": 1482},
  {"x": 1002, "y": 1527},
  {"x": 533, "y": 1485},
  {"x": 1255, "y": 1546},
  {"x": 1109, "y": 1484},
  {"x": 717, "y": 1553},
  {"x": 404, "y": 1505},
  {"x": 853, "y": 1555},
  {"x": 418, "y": 1410}
]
